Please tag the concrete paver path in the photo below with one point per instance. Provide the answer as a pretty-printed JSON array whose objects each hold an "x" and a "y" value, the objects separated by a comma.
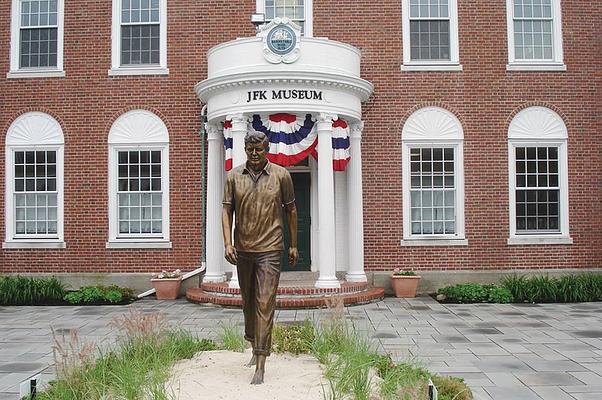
[{"x": 504, "y": 352}]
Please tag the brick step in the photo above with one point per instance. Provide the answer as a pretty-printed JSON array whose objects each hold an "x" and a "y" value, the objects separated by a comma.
[
  {"x": 198, "y": 295},
  {"x": 300, "y": 288}
]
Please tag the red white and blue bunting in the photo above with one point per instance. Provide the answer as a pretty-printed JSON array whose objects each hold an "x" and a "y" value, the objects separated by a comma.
[{"x": 293, "y": 139}]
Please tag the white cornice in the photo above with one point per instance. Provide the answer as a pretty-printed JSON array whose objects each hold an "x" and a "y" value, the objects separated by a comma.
[
  {"x": 207, "y": 88},
  {"x": 321, "y": 40}
]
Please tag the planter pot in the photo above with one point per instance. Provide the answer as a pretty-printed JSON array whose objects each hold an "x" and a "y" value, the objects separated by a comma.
[
  {"x": 405, "y": 286},
  {"x": 167, "y": 289}
]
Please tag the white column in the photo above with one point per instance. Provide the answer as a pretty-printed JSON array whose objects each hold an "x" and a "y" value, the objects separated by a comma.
[
  {"x": 326, "y": 251},
  {"x": 355, "y": 207},
  {"x": 239, "y": 130},
  {"x": 214, "y": 242}
]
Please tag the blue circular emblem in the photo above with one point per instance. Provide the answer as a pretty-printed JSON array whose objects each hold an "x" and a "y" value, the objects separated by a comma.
[{"x": 281, "y": 40}]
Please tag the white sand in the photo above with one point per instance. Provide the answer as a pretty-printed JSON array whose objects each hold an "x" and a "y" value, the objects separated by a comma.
[{"x": 214, "y": 375}]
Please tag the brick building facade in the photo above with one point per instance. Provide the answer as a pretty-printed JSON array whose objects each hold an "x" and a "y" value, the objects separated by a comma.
[{"x": 463, "y": 71}]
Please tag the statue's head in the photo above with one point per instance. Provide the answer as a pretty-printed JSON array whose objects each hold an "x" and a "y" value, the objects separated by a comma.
[{"x": 256, "y": 148}]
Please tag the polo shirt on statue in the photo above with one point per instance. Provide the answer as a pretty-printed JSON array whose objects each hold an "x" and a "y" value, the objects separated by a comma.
[{"x": 258, "y": 206}]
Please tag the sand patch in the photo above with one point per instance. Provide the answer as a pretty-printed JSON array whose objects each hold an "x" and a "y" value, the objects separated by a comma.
[{"x": 216, "y": 375}]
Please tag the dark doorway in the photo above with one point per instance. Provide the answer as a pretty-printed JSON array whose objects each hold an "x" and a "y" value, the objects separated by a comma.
[{"x": 301, "y": 182}]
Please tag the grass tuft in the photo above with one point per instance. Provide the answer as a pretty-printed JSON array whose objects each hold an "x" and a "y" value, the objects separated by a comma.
[
  {"x": 137, "y": 368},
  {"x": 231, "y": 338}
]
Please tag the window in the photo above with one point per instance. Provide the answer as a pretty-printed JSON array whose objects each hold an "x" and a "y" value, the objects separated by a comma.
[
  {"x": 534, "y": 35},
  {"x": 34, "y": 182},
  {"x": 138, "y": 181},
  {"x": 36, "y": 38},
  {"x": 538, "y": 178},
  {"x": 433, "y": 181},
  {"x": 430, "y": 35},
  {"x": 298, "y": 11},
  {"x": 139, "y": 37}
]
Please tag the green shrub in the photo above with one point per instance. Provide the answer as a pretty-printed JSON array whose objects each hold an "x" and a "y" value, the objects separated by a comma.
[
  {"x": 91, "y": 294},
  {"x": 113, "y": 296},
  {"x": 22, "y": 290},
  {"x": 99, "y": 294},
  {"x": 476, "y": 293},
  {"x": 500, "y": 295},
  {"x": 73, "y": 297}
]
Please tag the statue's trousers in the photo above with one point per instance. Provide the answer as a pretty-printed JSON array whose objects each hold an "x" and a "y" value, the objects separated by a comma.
[{"x": 258, "y": 276}]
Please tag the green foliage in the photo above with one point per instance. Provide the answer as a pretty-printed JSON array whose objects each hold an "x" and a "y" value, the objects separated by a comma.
[
  {"x": 136, "y": 369},
  {"x": 18, "y": 290},
  {"x": 231, "y": 338},
  {"x": 295, "y": 339},
  {"x": 74, "y": 297},
  {"x": 91, "y": 294},
  {"x": 544, "y": 289},
  {"x": 451, "y": 388},
  {"x": 500, "y": 295},
  {"x": 99, "y": 294},
  {"x": 113, "y": 296},
  {"x": 476, "y": 293}
]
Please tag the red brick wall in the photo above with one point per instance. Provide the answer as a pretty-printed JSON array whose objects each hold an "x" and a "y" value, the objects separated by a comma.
[{"x": 484, "y": 97}]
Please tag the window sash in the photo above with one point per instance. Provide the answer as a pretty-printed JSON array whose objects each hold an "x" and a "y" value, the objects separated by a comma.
[
  {"x": 537, "y": 192},
  {"x": 272, "y": 10},
  {"x": 35, "y": 208},
  {"x": 136, "y": 208},
  {"x": 433, "y": 191}
]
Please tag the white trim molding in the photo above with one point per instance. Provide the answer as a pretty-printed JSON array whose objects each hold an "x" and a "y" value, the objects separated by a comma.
[
  {"x": 16, "y": 71},
  {"x": 433, "y": 127},
  {"x": 142, "y": 69},
  {"x": 539, "y": 127},
  {"x": 138, "y": 130},
  {"x": 453, "y": 64},
  {"x": 33, "y": 131},
  {"x": 556, "y": 63},
  {"x": 309, "y": 15}
]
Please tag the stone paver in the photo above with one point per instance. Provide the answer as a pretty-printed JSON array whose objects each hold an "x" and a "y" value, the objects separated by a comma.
[{"x": 521, "y": 351}]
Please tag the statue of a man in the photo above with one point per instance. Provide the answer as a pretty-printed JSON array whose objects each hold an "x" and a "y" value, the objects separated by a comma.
[{"x": 257, "y": 192}]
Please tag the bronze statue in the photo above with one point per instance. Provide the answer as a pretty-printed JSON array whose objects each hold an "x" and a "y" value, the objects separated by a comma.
[{"x": 257, "y": 192}]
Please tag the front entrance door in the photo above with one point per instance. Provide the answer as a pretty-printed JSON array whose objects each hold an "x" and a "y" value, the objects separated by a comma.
[{"x": 301, "y": 182}]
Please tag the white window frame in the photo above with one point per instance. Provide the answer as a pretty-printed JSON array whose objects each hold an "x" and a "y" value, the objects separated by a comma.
[
  {"x": 427, "y": 128},
  {"x": 137, "y": 130},
  {"x": 15, "y": 47},
  {"x": 116, "y": 67},
  {"x": 453, "y": 64},
  {"x": 309, "y": 19},
  {"x": 557, "y": 63},
  {"x": 539, "y": 127},
  {"x": 33, "y": 131}
]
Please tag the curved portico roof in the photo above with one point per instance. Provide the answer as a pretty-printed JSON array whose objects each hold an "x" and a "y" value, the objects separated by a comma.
[{"x": 323, "y": 77}]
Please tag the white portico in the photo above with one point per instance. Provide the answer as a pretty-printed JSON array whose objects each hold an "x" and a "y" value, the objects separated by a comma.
[{"x": 315, "y": 79}]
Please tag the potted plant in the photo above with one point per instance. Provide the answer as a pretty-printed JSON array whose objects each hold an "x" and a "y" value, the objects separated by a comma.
[
  {"x": 167, "y": 284},
  {"x": 404, "y": 283}
]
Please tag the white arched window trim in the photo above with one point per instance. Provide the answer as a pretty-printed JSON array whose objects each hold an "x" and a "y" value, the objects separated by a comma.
[
  {"x": 33, "y": 131},
  {"x": 138, "y": 130},
  {"x": 539, "y": 127},
  {"x": 433, "y": 127}
]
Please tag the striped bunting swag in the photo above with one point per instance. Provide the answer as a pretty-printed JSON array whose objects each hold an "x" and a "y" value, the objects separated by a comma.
[{"x": 292, "y": 140}]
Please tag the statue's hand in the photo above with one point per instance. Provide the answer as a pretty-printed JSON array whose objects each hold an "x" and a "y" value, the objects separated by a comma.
[
  {"x": 230, "y": 254},
  {"x": 293, "y": 256}
]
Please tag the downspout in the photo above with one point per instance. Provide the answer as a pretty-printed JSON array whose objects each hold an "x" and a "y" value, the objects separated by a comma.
[{"x": 202, "y": 134}]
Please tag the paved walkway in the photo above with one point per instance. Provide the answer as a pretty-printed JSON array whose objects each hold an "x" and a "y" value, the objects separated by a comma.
[{"x": 504, "y": 352}]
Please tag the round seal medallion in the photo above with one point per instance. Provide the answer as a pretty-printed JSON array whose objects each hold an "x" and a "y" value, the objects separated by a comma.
[{"x": 281, "y": 40}]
